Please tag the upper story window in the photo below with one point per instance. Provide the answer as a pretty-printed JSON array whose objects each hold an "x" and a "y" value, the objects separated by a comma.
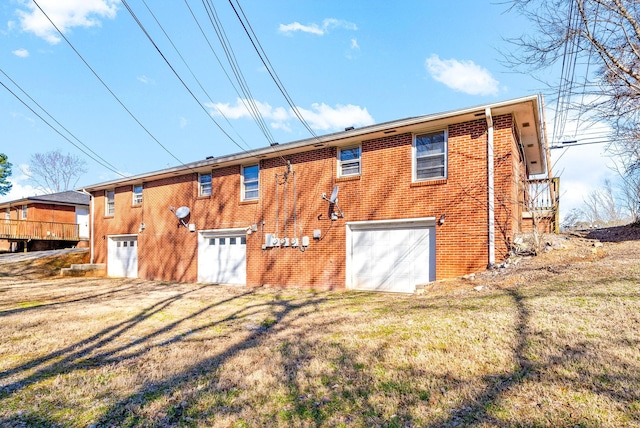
[
  {"x": 23, "y": 213},
  {"x": 110, "y": 202},
  {"x": 7, "y": 213},
  {"x": 250, "y": 182},
  {"x": 137, "y": 194},
  {"x": 204, "y": 184},
  {"x": 349, "y": 161},
  {"x": 430, "y": 156}
]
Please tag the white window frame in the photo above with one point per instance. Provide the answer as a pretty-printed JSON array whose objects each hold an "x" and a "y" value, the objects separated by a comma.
[
  {"x": 445, "y": 155},
  {"x": 204, "y": 189},
  {"x": 246, "y": 183},
  {"x": 137, "y": 196},
  {"x": 342, "y": 164},
  {"x": 23, "y": 212},
  {"x": 7, "y": 213},
  {"x": 109, "y": 202}
]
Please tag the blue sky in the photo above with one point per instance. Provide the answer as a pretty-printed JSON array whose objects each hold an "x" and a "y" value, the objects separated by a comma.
[{"x": 343, "y": 63}]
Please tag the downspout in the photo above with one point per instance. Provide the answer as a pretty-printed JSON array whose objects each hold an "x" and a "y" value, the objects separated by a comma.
[
  {"x": 490, "y": 189},
  {"x": 91, "y": 234}
]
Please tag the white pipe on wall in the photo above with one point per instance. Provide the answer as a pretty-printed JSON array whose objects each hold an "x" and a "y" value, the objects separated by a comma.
[{"x": 491, "y": 188}]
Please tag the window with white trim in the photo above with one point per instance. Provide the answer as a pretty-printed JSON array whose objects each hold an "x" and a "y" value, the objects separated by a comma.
[
  {"x": 23, "y": 213},
  {"x": 7, "y": 213},
  {"x": 250, "y": 182},
  {"x": 110, "y": 202},
  {"x": 137, "y": 194},
  {"x": 430, "y": 156},
  {"x": 204, "y": 184},
  {"x": 349, "y": 161}
]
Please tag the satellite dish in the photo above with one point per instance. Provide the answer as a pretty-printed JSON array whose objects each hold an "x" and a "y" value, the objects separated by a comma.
[
  {"x": 182, "y": 212},
  {"x": 334, "y": 195}
]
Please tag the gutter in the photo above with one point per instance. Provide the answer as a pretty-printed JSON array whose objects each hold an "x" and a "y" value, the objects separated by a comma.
[
  {"x": 491, "y": 189},
  {"x": 91, "y": 230}
]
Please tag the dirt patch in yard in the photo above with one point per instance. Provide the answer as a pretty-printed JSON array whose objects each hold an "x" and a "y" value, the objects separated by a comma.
[{"x": 42, "y": 267}]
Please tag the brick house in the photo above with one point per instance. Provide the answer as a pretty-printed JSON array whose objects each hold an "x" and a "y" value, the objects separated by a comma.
[
  {"x": 385, "y": 207},
  {"x": 57, "y": 220}
]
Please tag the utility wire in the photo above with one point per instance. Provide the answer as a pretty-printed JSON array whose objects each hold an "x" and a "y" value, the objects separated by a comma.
[
  {"x": 193, "y": 75},
  {"x": 102, "y": 161},
  {"x": 248, "y": 100},
  {"x": 99, "y": 160},
  {"x": 135, "y": 18},
  {"x": 267, "y": 64},
  {"x": 107, "y": 86}
]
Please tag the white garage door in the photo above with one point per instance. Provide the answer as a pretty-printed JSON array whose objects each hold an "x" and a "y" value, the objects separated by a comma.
[
  {"x": 222, "y": 257},
  {"x": 391, "y": 256},
  {"x": 122, "y": 258}
]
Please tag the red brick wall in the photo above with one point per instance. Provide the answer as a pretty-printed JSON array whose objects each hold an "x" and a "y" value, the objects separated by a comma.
[
  {"x": 292, "y": 206},
  {"x": 51, "y": 212}
]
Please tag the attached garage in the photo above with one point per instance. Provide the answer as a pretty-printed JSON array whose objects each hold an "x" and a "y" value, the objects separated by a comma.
[
  {"x": 222, "y": 256},
  {"x": 122, "y": 256},
  {"x": 393, "y": 256}
]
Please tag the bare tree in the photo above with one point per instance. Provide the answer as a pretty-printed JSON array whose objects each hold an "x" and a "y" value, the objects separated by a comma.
[
  {"x": 604, "y": 35},
  {"x": 54, "y": 172},
  {"x": 602, "y": 208}
]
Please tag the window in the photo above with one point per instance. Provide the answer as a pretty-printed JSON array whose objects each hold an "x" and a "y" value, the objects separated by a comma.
[
  {"x": 349, "y": 161},
  {"x": 110, "y": 204},
  {"x": 23, "y": 213},
  {"x": 430, "y": 155},
  {"x": 250, "y": 189},
  {"x": 204, "y": 181},
  {"x": 7, "y": 213},
  {"x": 137, "y": 194}
]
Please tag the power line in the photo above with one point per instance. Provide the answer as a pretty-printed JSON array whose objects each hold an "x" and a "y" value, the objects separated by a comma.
[
  {"x": 135, "y": 18},
  {"x": 107, "y": 86},
  {"x": 99, "y": 160},
  {"x": 267, "y": 64},
  {"x": 102, "y": 161},
  {"x": 248, "y": 100},
  {"x": 193, "y": 75}
]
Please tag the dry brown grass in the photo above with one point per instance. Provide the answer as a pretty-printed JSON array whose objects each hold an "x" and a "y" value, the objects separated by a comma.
[{"x": 551, "y": 341}]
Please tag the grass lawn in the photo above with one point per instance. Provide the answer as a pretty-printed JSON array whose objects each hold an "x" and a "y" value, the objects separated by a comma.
[{"x": 547, "y": 347}]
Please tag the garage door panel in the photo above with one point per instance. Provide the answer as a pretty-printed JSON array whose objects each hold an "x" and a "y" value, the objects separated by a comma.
[
  {"x": 392, "y": 258},
  {"x": 222, "y": 258},
  {"x": 122, "y": 256}
]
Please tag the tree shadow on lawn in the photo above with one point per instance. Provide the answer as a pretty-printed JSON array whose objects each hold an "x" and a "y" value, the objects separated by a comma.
[
  {"x": 345, "y": 389},
  {"x": 73, "y": 356},
  {"x": 478, "y": 409}
]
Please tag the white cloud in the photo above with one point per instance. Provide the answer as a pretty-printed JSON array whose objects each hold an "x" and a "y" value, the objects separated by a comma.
[
  {"x": 324, "y": 117},
  {"x": 320, "y": 117},
  {"x": 462, "y": 76},
  {"x": 65, "y": 14},
  {"x": 183, "y": 122},
  {"x": 319, "y": 30},
  {"x": 146, "y": 80},
  {"x": 19, "y": 190},
  {"x": 296, "y": 26},
  {"x": 354, "y": 44},
  {"x": 22, "y": 53}
]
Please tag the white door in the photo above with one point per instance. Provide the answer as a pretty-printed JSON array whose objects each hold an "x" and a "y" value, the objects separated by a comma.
[
  {"x": 82, "y": 220},
  {"x": 391, "y": 256},
  {"x": 122, "y": 256},
  {"x": 222, "y": 257}
]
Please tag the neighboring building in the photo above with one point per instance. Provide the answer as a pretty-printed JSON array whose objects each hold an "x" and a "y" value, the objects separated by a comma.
[
  {"x": 385, "y": 207},
  {"x": 57, "y": 220}
]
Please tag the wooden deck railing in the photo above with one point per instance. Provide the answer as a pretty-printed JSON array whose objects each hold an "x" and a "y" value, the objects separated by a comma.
[
  {"x": 44, "y": 230},
  {"x": 542, "y": 199}
]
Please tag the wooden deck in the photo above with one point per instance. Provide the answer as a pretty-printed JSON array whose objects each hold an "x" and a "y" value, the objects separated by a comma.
[{"x": 25, "y": 230}]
